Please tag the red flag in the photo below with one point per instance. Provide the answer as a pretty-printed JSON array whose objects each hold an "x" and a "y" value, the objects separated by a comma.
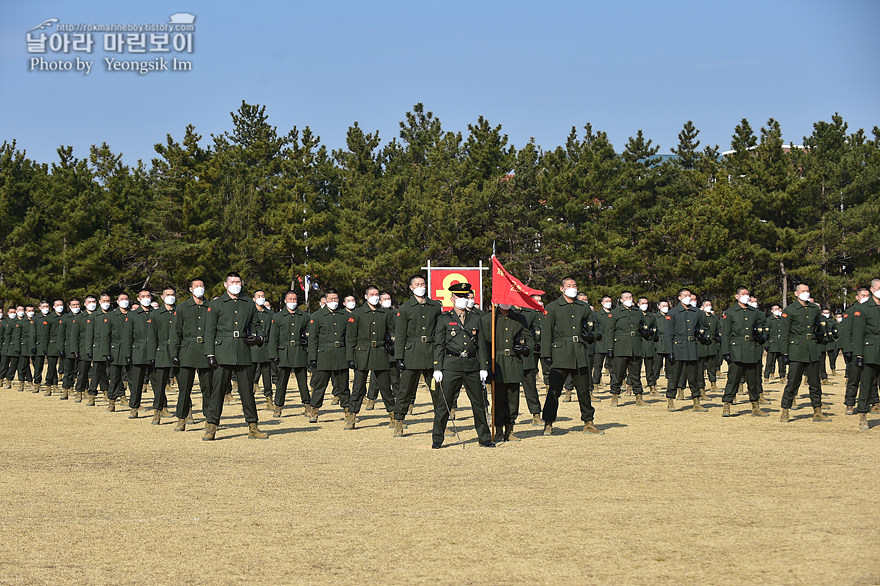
[
  {"x": 301, "y": 286},
  {"x": 509, "y": 290}
]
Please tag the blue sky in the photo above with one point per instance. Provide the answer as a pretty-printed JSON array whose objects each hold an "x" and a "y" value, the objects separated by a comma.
[{"x": 536, "y": 68}]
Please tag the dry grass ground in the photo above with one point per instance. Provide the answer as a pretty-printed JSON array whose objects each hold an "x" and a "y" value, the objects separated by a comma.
[{"x": 92, "y": 497}]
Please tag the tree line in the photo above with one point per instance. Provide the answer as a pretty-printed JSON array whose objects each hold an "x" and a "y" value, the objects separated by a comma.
[{"x": 272, "y": 206}]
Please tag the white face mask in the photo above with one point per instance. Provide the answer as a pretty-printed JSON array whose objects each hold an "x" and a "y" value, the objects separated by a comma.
[
  {"x": 350, "y": 305},
  {"x": 199, "y": 292},
  {"x": 744, "y": 299},
  {"x": 693, "y": 302},
  {"x": 123, "y": 303},
  {"x": 804, "y": 296},
  {"x": 44, "y": 310},
  {"x": 290, "y": 305},
  {"x": 606, "y": 304},
  {"x": 169, "y": 300},
  {"x": 105, "y": 305},
  {"x": 863, "y": 299},
  {"x": 708, "y": 309},
  {"x": 877, "y": 293},
  {"x": 571, "y": 292},
  {"x": 664, "y": 310},
  {"x": 332, "y": 305},
  {"x": 461, "y": 302},
  {"x": 91, "y": 306},
  {"x": 59, "y": 308},
  {"x": 234, "y": 289},
  {"x": 386, "y": 304},
  {"x": 777, "y": 312},
  {"x": 686, "y": 300},
  {"x": 826, "y": 315},
  {"x": 627, "y": 302},
  {"x": 30, "y": 314},
  {"x": 75, "y": 310},
  {"x": 260, "y": 301},
  {"x": 19, "y": 313},
  {"x": 643, "y": 307},
  {"x": 505, "y": 306},
  {"x": 753, "y": 304},
  {"x": 146, "y": 301},
  {"x": 470, "y": 303},
  {"x": 11, "y": 316},
  {"x": 839, "y": 319},
  {"x": 373, "y": 300},
  {"x": 419, "y": 291}
]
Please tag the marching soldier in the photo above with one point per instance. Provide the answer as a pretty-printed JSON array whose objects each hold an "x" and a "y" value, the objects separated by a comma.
[
  {"x": 5, "y": 323},
  {"x": 802, "y": 353},
  {"x": 649, "y": 339},
  {"x": 627, "y": 328},
  {"x": 534, "y": 320},
  {"x": 84, "y": 329},
  {"x": 368, "y": 341},
  {"x": 189, "y": 354},
  {"x": 28, "y": 349},
  {"x": 162, "y": 320},
  {"x": 866, "y": 350},
  {"x": 709, "y": 353},
  {"x": 41, "y": 327},
  {"x": 661, "y": 346},
  {"x": 682, "y": 323},
  {"x": 393, "y": 372},
  {"x": 459, "y": 359},
  {"x": 71, "y": 347},
  {"x": 260, "y": 354},
  {"x": 513, "y": 344},
  {"x": 100, "y": 351},
  {"x": 119, "y": 352},
  {"x": 139, "y": 340},
  {"x": 232, "y": 328},
  {"x": 53, "y": 344},
  {"x": 288, "y": 348},
  {"x": 743, "y": 330},
  {"x": 564, "y": 350},
  {"x": 604, "y": 342},
  {"x": 853, "y": 372},
  {"x": 413, "y": 346},
  {"x": 327, "y": 329},
  {"x": 774, "y": 349}
]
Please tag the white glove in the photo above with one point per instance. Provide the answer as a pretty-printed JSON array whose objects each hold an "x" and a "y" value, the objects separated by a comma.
[
  {"x": 438, "y": 376},
  {"x": 484, "y": 374}
]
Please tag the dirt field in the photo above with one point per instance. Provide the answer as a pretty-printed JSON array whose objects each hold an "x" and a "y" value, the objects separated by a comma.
[{"x": 93, "y": 497}]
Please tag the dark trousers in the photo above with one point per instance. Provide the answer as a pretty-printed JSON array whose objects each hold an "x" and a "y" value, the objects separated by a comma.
[
  {"x": 707, "y": 369},
  {"x": 24, "y": 369},
  {"x": 99, "y": 377},
  {"x": 186, "y": 378},
  {"x": 70, "y": 372},
  {"x": 284, "y": 377},
  {"x": 264, "y": 370},
  {"x": 774, "y": 359},
  {"x": 629, "y": 367},
  {"x": 868, "y": 387},
  {"x": 359, "y": 389},
  {"x": 117, "y": 373},
  {"x": 598, "y": 361},
  {"x": 39, "y": 362},
  {"x": 661, "y": 362},
  {"x": 442, "y": 396},
  {"x": 832, "y": 358},
  {"x": 506, "y": 396},
  {"x": 11, "y": 366},
  {"x": 736, "y": 373},
  {"x": 796, "y": 371},
  {"x": 4, "y": 359},
  {"x": 83, "y": 367},
  {"x": 650, "y": 377},
  {"x": 409, "y": 382},
  {"x": 51, "y": 370},
  {"x": 683, "y": 371},
  {"x": 136, "y": 379},
  {"x": 373, "y": 389},
  {"x": 530, "y": 390},
  {"x": 159, "y": 382},
  {"x": 319, "y": 385},
  {"x": 581, "y": 378},
  {"x": 244, "y": 375}
]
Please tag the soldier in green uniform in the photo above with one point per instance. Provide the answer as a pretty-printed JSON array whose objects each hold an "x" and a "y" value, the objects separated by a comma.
[
  {"x": 71, "y": 347},
  {"x": 393, "y": 371},
  {"x": 866, "y": 351},
  {"x": 101, "y": 358},
  {"x": 513, "y": 343},
  {"x": 534, "y": 321},
  {"x": 41, "y": 326},
  {"x": 459, "y": 359},
  {"x": 605, "y": 341},
  {"x": 4, "y": 347},
  {"x": 162, "y": 320},
  {"x": 368, "y": 341},
  {"x": 189, "y": 354},
  {"x": 84, "y": 329},
  {"x": 232, "y": 328},
  {"x": 742, "y": 337},
  {"x": 288, "y": 348},
  {"x": 414, "y": 346},
  {"x": 853, "y": 371},
  {"x": 12, "y": 344},
  {"x": 28, "y": 348},
  {"x": 661, "y": 347},
  {"x": 774, "y": 349},
  {"x": 627, "y": 328},
  {"x": 53, "y": 344},
  {"x": 564, "y": 351},
  {"x": 649, "y": 339},
  {"x": 260, "y": 354},
  {"x": 140, "y": 344},
  {"x": 119, "y": 352},
  {"x": 682, "y": 323},
  {"x": 802, "y": 352},
  {"x": 327, "y": 328},
  {"x": 709, "y": 353},
  {"x": 828, "y": 343}
]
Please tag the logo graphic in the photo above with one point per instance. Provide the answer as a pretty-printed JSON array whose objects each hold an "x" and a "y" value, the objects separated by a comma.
[
  {"x": 182, "y": 18},
  {"x": 45, "y": 24}
]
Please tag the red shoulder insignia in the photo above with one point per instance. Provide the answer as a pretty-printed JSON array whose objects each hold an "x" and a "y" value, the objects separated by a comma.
[
  {"x": 845, "y": 315},
  {"x": 398, "y": 314},
  {"x": 209, "y": 309},
  {"x": 784, "y": 315},
  {"x": 149, "y": 321},
  {"x": 175, "y": 312},
  {"x": 858, "y": 313},
  {"x": 45, "y": 323},
  {"x": 668, "y": 317},
  {"x": 126, "y": 318},
  {"x": 105, "y": 320},
  {"x": 311, "y": 321},
  {"x": 452, "y": 323},
  {"x": 88, "y": 321},
  {"x": 351, "y": 320}
]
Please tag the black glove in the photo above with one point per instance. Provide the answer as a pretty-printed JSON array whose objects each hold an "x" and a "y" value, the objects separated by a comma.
[
  {"x": 153, "y": 362},
  {"x": 610, "y": 353},
  {"x": 785, "y": 359},
  {"x": 34, "y": 352},
  {"x": 598, "y": 335},
  {"x": 128, "y": 360},
  {"x": 726, "y": 358},
  {"x": 399, "y": 363},
  {"x": 313, "y": 364},
  {"x": 212, "y": 362},
  {"x": 352, "y": 365},
  {"x": 61, "y": 353},
  {"x": 76, "y": 355},
  {"x": 303, "y": 340},
  {"x": 860, "y": 362},
  {"x": 175, "y": 361},
  {"x": 547, "y": 361},
  {"x": 521, "y": 350},
  {"x": 537, "y": 348},
  {"x": 254, "y": 340},
  {"x": 274, "y": 360},
  {"x": 847, "y": 356},
  {"x": 671, "y": 358},
  {"x": 587, "y": 333},
  {"x": 108, "y": 358},
  {"x": 89, "y": 355},
  {"x": 18, "y": 353},
  {"x": 656, "y": 337}
]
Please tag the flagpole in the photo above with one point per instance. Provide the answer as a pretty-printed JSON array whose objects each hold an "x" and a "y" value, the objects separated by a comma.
[{"x": 492, "y": 366}]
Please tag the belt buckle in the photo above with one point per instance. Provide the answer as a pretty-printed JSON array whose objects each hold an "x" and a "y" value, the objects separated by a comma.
[
  {"x": 293, "y": 344},
  {"x": 507, "y": 352},
  {"x": 747, "y": 338},
  {"x": 690, "y": 338},
  {"x": 236, "y": 334},
  {"x": 632, "y": 334},
  {"x": 337, "y": 344},
  {"x": 464, "y": 354},
  {"x": 374, "y": 344},
  {"x": 809, "y": 336},
  {"x": 575, "y": 339},
  {"x": 199, "y": 340},
  {"x": 424, "y": 338}
]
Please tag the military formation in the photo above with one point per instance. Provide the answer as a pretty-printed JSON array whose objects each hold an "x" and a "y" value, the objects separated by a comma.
[{"x": 373, "y": 350}]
